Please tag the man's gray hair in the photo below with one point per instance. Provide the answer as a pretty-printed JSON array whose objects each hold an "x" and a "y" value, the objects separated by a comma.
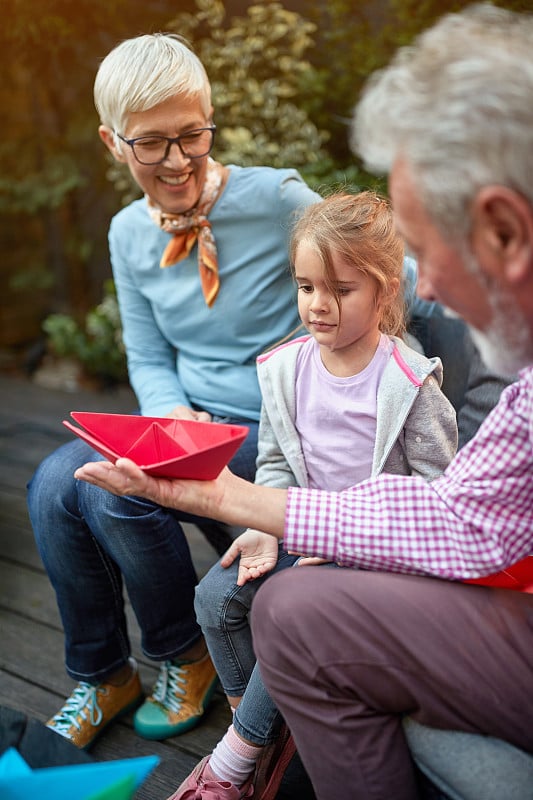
[
  {"x": 144, "y": 71},
  {"x": 457, "y": 105}
]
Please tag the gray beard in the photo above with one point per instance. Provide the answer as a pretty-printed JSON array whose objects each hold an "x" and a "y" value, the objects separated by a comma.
[
  {"x": 499, "y": 355},
  {"x": 506, "y": 345}
]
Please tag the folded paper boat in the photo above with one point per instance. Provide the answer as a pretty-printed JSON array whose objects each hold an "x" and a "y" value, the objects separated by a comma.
[
  {"x": 107, "y": 780},
  {"x": 519, "y": 577},
  {"x": 161, "y": 446}
]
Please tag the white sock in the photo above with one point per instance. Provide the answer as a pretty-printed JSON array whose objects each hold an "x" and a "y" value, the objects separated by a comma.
[{"x": 232, "y": 759}]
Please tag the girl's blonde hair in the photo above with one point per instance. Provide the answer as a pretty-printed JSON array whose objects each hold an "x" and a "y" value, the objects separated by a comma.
[{"x": 360, "y": 229}]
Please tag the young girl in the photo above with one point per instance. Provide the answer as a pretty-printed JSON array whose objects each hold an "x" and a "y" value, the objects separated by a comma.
[{"x": 344, "y": 403}]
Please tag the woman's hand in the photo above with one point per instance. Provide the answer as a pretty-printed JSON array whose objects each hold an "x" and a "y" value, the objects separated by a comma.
[{"x": 184, "y": 412}]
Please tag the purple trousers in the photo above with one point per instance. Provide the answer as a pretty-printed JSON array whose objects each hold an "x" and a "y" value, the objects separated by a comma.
[{"x": 345, "y": 654}]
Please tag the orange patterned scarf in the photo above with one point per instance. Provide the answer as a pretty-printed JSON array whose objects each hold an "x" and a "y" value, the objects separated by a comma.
[{"x": 194, "y": 226}]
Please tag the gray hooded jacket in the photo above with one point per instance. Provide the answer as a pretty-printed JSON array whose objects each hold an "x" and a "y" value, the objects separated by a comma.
[{"x": 416, "y": 427}]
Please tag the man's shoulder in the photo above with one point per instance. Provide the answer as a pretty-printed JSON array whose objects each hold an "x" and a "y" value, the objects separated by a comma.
[{"x": 522, "y": 387}]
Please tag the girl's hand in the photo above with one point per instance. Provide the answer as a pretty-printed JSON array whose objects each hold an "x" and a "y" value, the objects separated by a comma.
[{"x": 258, "y": 553}]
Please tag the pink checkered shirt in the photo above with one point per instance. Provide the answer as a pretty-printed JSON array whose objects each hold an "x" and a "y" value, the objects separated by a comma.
[{"x": 476, "y": 519}]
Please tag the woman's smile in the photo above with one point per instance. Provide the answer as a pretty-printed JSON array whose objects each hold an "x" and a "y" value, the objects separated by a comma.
[
  {"x": 175, "y": 180},
  {"x": 175, "y": 185}
]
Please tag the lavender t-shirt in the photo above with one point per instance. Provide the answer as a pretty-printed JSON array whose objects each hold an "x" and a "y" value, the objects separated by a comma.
[{"x": 336, "y": 417}]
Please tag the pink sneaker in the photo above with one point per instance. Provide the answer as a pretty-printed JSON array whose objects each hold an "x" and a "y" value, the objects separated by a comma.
[
  {"x": 196, "y": 787},
  {"x": 272, "y": 765}
]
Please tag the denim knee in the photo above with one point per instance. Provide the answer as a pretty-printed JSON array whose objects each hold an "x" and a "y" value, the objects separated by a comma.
[
  {"x": 223, "y": 619},
  {"x": 52, "y": 496},
  {"x": 211, "y": 593}
]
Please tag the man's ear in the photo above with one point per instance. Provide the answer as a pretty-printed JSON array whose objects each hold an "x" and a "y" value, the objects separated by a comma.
[
  {"x": 106, "y": 135},
  {"x": 502, "y": 234}
]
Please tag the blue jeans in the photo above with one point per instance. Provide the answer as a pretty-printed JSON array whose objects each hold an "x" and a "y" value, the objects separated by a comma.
[
  {"x": 92, "y": 543},
  {"x": 222, "y": 610}
]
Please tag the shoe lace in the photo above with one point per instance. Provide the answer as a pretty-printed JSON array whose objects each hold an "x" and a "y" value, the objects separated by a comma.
[
  {"x": 170, "y": 686},
  {"x": 83, "y": 702}
]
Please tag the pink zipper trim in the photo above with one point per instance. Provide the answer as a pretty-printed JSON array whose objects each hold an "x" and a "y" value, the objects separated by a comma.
[
  {"x": 405, "y": 367},
  {"x": 266, "y": 356}
]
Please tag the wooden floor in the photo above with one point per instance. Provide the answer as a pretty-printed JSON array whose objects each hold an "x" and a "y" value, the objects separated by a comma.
[{"x": 32, "y": 675}]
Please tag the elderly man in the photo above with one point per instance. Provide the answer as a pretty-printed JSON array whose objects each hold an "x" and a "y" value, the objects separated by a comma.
[{"x": 401, "y": 634}]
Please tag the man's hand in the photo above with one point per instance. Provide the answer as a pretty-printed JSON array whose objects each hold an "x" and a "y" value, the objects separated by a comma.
[
  {"x": 312, "y": 561},
  {"x": 258, "y": 553},
  {"x": 126, "y": 478},
  {"x": 228, "y": 498}
]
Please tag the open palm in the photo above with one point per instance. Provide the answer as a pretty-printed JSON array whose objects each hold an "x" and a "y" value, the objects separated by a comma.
[{"x": 258, "y": 553}]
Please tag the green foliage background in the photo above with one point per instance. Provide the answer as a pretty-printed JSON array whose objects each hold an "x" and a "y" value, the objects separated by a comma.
[{"x": 285, "y": 76}]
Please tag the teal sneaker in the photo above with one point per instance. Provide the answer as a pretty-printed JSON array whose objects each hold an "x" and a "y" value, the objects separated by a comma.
[{"x": 179, "y": 699}]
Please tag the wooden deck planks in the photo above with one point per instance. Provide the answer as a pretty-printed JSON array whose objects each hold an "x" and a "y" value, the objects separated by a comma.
[{"x": 32, "y": 675}]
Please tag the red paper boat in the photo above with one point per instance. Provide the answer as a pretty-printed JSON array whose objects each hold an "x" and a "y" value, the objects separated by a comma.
[
  {"x": 168, "y": 448},
  {"x": 519, "y": 576}
]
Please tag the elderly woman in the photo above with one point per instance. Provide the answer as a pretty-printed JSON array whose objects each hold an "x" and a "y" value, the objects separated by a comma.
[{"x": 201, "y": 270}]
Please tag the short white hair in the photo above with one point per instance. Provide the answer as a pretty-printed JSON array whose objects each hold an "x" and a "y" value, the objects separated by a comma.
[
  {"x": 457, "y": 105},
  {"x": 142, "y": 72}
]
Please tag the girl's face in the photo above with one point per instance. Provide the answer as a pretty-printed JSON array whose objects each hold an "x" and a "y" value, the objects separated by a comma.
[
  {"x": 358, "y": 328},
  {"x": 176, "y": 184}
]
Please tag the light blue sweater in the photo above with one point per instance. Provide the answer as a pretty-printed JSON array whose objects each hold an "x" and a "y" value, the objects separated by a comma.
[{"x": 180, "y": 352}]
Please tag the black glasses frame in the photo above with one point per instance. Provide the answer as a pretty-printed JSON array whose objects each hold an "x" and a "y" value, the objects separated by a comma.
[{"x": 170, "y": 140}]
